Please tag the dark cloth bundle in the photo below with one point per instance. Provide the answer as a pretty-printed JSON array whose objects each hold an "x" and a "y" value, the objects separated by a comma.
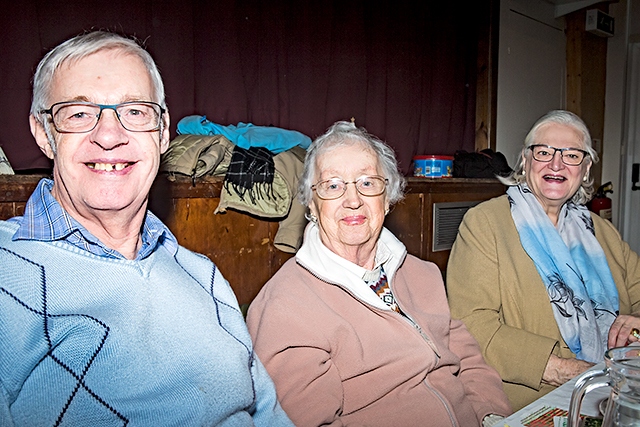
[
  {"x": 250, "y": 173},
  {"x": 482, "y": 164}
]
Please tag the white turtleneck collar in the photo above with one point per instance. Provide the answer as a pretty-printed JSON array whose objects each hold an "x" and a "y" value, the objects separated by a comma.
[{"x": 332, "y": 268}]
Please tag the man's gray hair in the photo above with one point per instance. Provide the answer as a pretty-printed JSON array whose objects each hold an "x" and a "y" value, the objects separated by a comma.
[
  {"x": 345, "y": 133},
  {"x": 563, "y": 117},
  {"x": 78, "y": 48}
]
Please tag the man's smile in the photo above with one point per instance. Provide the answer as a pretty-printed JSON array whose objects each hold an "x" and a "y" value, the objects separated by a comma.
[{"x": 109, "y": 167}]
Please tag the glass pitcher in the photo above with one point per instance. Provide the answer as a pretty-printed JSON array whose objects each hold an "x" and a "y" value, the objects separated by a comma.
[{"x": 622, "y": 373}]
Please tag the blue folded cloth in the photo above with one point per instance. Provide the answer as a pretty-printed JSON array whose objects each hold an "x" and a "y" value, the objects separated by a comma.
[{"x": 246, "y": 135}]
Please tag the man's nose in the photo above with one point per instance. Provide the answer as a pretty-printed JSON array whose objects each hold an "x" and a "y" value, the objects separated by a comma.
[{"x": 109, "y": 132}]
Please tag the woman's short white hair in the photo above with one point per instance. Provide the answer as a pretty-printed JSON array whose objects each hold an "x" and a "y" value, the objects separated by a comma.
[
  {"x": 563, "y": 117},
  {"x": 345, "y": 133},
  {"x": 78, "y": 48}
]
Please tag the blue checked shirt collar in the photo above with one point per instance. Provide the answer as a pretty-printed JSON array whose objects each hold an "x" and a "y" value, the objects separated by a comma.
[{"x": 45, "y": 220}]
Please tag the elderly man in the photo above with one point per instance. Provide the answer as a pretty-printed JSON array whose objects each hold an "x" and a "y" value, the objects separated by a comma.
[{"x": 104, "y": 319}]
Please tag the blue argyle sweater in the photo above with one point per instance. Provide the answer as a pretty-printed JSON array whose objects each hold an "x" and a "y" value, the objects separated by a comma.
[{"x": 89, "y": 341}]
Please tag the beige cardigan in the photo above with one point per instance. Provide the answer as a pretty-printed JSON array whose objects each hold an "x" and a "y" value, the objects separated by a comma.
[{"x": 494, "y": 287}]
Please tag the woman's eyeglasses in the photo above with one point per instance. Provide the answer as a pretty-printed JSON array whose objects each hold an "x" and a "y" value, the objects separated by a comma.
[
  {"x": 334, "y": 188},
  {"x": 570, "y": 156}
]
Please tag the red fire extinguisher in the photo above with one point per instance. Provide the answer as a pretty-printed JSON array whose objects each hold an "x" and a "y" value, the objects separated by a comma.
[{"x": 601, "y": 204}]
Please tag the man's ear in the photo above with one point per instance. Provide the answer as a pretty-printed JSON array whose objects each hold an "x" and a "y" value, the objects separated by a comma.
[
  {"x": 37, "y": 130},
  {"x": 165, "y": 135}
]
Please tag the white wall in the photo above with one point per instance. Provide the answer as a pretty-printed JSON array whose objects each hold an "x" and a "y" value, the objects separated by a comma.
[
  {"x": 614, "y": 105},
  {"x": 628, "y": 96},
  {"x": 531, "y": 70}
]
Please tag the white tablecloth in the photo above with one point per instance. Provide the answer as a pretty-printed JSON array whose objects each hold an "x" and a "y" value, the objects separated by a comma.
[{"x": 560, "y": 398}]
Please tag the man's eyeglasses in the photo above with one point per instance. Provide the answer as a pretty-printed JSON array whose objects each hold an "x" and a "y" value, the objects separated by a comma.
[
  {"x": 570, "y": 156},
  {"x": 334, "y": 188},
  {"x": 79, "y": 117}
]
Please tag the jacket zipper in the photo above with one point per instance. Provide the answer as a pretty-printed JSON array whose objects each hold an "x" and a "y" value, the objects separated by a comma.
[
  {"x": 417, "y": 327},
  {"x": 403, "y": 314},
  {"x": 444, "y": 402},
  {"x": 414, "y": 325},
  {"x": 435, "y": 350}
]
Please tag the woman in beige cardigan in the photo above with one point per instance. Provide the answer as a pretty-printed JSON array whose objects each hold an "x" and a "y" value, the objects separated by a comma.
[{"x": 543, "y": 285}]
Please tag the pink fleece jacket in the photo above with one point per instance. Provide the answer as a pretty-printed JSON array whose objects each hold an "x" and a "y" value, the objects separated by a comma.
[{"x": 339, "y": 361}]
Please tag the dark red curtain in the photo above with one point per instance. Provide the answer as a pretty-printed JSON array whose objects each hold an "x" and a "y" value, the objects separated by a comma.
[{"x": 405, "y": 70}]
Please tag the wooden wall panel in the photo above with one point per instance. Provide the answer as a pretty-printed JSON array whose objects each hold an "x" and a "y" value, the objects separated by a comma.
[
  {"x": 7, "y": 210},
  {"x": 487, "y": 80},
  {"x": 14, "y": 192},
  {"x": 241, "y": 245},
  {"x": 586, "y": 78},
  {"x": 406, "y": 221}
]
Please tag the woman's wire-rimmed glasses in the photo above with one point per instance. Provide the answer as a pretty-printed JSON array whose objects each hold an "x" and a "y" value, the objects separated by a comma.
[
  {"x": 80, "y": 117},
  {"x": 334, "y": 188},
  {"x": 570, "y": 156}
]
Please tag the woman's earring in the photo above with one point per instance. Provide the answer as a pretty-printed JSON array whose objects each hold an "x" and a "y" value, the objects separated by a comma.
[
  {"x": 584, "y": 178},
  {"x": 311, "y": 217}
]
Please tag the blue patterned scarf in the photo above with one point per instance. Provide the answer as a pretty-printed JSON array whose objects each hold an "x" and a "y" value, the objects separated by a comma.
[{"x": 574, "y": 269}]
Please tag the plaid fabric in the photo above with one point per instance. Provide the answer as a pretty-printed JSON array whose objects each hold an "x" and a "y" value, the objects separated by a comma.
[
  {"x": 45, "y": 220},
  {"x": 251, "y": 173}
]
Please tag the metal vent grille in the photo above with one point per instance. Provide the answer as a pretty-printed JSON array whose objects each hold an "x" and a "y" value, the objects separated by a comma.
[{"x": 446, "y": 220}]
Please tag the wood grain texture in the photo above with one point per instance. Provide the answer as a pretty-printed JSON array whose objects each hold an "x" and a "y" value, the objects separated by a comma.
[
  {"x": 586, "y": 78},
  {"x": 241, "y": 245}
]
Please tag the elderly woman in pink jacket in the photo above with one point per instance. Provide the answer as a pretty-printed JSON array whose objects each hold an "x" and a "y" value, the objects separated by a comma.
[{"x": 353, "y": 330}]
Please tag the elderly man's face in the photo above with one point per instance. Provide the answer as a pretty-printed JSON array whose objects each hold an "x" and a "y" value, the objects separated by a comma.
[{"x": 108, "y": 170}]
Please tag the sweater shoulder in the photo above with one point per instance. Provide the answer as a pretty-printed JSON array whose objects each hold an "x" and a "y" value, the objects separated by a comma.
[
  {"x": 489, "y": 211},
  {"x": 419, "y": 266},
  {"x": 604, "y": 227},
  {"x": 497, "y": 204},
  {"x": 285, "y": 280},
  {"x": 206, "y": 272},
  {"x": 193, "y": 261},
  {"x": 609, "y": 237},
  {"x": 7, "y": 230}
]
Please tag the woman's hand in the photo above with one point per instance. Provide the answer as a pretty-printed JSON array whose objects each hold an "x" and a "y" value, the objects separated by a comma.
[
  {"x": 559, "y": 370},
  {"x": 620, "y": 331}
]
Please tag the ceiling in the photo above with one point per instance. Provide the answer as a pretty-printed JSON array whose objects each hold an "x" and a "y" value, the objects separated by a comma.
[{"x": 562, "y": 7}]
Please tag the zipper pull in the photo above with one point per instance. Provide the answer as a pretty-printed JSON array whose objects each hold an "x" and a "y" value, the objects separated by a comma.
[{"x": 428, "y": 340}]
